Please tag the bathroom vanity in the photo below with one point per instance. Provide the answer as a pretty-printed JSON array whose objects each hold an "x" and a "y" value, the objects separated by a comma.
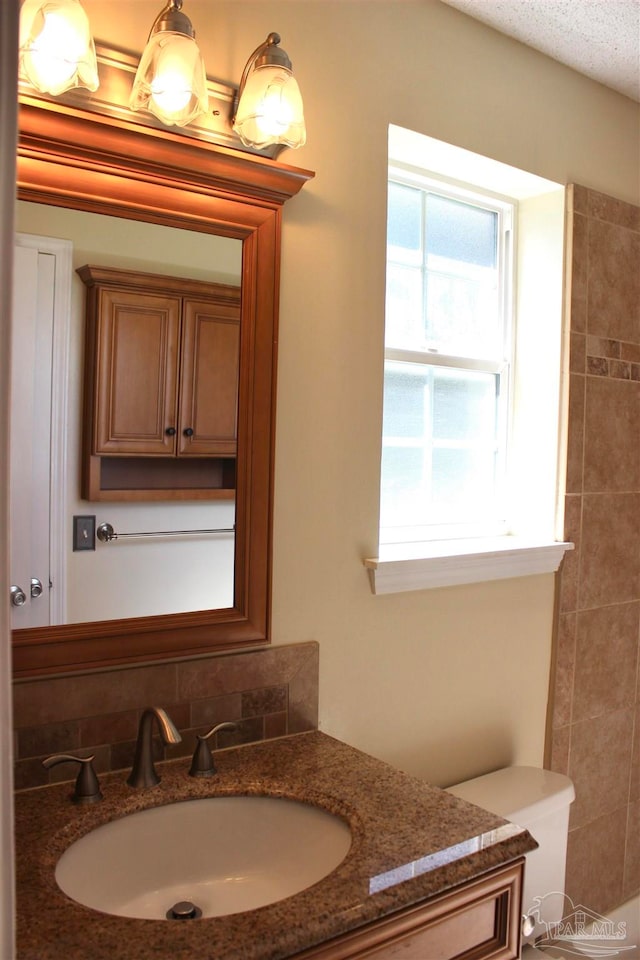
[{"x": 427, "y": 874}]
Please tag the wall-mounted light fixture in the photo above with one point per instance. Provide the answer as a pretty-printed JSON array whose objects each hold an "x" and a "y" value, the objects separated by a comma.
[
  {"x": 171, "y": 82},
  {"x": 57, "y": 51},
  {"x": 268, "y": 105}
]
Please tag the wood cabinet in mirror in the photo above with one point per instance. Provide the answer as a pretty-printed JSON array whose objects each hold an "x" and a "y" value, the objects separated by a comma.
[
  {"x": 161, "y": 386},
  {"x": 85, "y": 161}
]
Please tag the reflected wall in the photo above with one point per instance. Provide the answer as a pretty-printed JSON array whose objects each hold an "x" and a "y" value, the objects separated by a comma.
[{"x": 132, "y": 578}]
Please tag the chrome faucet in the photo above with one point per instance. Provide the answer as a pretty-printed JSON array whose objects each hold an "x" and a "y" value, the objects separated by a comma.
[{"x": 143, "y": 773}]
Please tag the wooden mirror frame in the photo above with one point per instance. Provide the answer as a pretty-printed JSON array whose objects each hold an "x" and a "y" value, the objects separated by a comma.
[{"x": 86, "y": 161}]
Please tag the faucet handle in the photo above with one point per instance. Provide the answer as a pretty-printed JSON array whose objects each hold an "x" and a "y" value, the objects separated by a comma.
[
  {"x": 87, "y": 789},
  {"x": 202, "y": 764}
]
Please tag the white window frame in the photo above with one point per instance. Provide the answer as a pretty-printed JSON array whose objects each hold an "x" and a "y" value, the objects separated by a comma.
[
  {"x": 532, "y": 543},
  {"x": 502, "y": 367}
]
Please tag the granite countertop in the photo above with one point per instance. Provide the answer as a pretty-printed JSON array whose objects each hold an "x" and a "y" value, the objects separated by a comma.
[{"x": 410, "y": 841}]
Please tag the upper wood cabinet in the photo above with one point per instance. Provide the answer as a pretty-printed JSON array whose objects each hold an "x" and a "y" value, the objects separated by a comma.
[{"x": 161, "y": 381}]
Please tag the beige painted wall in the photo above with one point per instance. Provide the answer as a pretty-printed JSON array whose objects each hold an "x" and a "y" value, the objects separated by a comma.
[{"x": 443, "y": 683}]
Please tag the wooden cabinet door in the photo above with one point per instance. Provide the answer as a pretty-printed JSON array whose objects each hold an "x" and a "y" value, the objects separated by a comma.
[
  {"x": 209, "y": 379},
  {"x": 479, "y": 920},
  {"x": 136, "y": 373}
]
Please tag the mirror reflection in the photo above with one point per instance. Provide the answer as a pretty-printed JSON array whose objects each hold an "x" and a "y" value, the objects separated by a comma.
[{"x": 127, "y": 577}]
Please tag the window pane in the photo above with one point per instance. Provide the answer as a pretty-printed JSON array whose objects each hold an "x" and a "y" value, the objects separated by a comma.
[
  {"x": 462, "y": 309},
  {"x": 404, "y": 325},
  {"x": 405, "y": 476},
  {"x": 439, "y": 445},
  {"x": 464, "y": 405},
  {"x": 463, "y": 316},
  {"x": 406, "y": 388},
  {"x": 461, "y": 232},
  {"x": 463, "y": 485},
  {"x": 404, "y": 224},
  {"x": 404, "y": 500}
]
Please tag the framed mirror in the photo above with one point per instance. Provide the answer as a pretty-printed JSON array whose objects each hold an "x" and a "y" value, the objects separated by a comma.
[{"x": 68, "y": 157}]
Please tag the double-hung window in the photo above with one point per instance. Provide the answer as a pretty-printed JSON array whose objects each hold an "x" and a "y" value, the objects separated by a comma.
[
  {"x": 474, "y": 421},
  {"x": 448, "y": 361}
]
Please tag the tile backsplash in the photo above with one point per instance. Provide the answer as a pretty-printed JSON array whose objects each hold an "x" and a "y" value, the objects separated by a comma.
[{"x": 268, "y": 693}]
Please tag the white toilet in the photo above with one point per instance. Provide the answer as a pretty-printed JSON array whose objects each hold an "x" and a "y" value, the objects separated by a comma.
[{"x": 538, "y": 800}]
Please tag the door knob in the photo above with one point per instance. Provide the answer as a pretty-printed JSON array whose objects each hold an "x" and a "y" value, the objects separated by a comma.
[
  {"x": 188, "y": 432},
  {"x": 170, "y": 431},
  {"x": 18, "y": 596},
  {"x": 36, "y": 588}
]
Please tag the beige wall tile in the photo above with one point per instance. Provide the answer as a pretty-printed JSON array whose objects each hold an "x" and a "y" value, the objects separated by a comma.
[
  {"x": 600, "y": 765},
  {"x": 630, "y": 351},
  {"x": 603, "y": 347},
  {"x": 605, "y": 660},
  {"x": 303, "y": 693},
  {"x": 578, "y": 353},
  {"x": 611, "y": 431},
  {"x": 613, "y": 282},
  {"x": 570, "y": 568},
  {"x": 558, "y": 751},
  {"x": 578, "y": 198},
  {"x": 595, "y": 862},
  {"x": 242, "y": 671},
  {"x": 599, "y": 749},
  {"x": 206, "y": 713},
  {"x": 91, "y": 695},
  {"x": 602, "y": 207},
  {"x": 579, "y": 264},
  {"x": 575, "y": 433},
  {"x": 634, "y": 784},
  {"x": 609, "y": 555},
  {"x": 632, "y": 857},
  {"x": 564, "y": 666}
]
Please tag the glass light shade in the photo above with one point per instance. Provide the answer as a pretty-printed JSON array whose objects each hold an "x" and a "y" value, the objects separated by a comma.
[
  {"x": 171, "y": 82},
  {"x": 56, "y": 47},
  {"x": 270, "y": 109}
]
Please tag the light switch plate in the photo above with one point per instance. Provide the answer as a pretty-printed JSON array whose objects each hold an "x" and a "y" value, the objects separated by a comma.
[{"x": 84, "y": 533}]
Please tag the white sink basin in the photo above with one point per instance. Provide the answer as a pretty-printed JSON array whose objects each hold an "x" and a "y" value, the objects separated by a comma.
[{"x": 223, "y": 854}]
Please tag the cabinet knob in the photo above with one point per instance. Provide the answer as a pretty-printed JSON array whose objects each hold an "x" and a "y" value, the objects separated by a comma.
[
  {"x": 188, "y": 432},
  {"x": 170, "y": 431}
]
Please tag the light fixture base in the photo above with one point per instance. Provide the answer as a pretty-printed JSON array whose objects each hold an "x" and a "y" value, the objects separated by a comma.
[
  {"x": 117, "y": 70},
  {"x": 172, "y": 19}
]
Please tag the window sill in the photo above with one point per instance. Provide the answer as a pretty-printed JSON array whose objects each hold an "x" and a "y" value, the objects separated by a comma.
[{"x": 423, "y": 566}]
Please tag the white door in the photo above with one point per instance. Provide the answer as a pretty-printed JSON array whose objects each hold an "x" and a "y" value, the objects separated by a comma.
[{"x": 37, "y": 425}]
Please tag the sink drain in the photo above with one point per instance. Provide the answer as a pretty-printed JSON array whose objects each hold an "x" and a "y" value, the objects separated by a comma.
[{"x": 184, "y": 910}]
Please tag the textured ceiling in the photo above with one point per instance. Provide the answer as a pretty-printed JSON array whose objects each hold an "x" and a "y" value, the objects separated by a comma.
[{"x": 600, "y": 38}]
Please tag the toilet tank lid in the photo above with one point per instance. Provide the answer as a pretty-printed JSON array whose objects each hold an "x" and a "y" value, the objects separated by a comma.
[{"x": 521, "y": 794}]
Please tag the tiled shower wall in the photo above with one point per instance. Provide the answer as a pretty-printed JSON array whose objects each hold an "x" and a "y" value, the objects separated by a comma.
[
  {"x": 594, "y": 728},
  {"x": 268, "y": 693}
]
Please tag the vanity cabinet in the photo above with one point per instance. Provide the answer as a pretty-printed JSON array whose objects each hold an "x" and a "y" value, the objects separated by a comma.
[
  {"x": 161, "y": 386},
  {"x": 479, "y": 920}
]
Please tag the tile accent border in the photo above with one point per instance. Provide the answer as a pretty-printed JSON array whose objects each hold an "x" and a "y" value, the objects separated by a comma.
[
  {"x": 268, "y": 692},
  {"x": 616, "y": 359}
]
